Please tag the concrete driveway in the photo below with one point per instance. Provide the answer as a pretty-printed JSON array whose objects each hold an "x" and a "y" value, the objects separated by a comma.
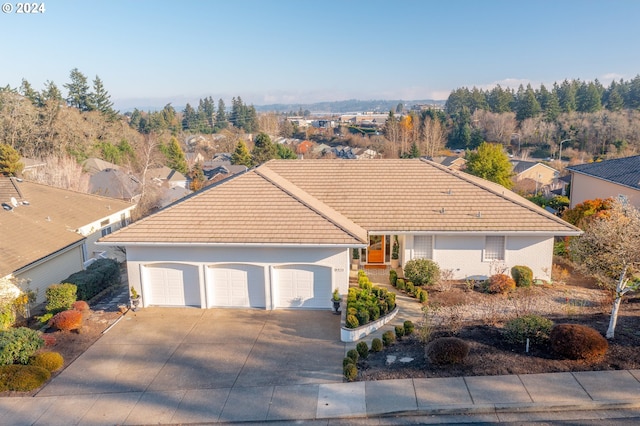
[{"x": 174, "y": 349}]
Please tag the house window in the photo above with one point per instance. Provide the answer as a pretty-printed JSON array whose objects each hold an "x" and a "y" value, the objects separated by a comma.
[
  {"x": 423, "y": 247},
  {"x": 106, "y": 231},
  {"x": 123, "y": 220},
  {"x": 104, "y": 223},
  {"x": 493, "y": 249}
]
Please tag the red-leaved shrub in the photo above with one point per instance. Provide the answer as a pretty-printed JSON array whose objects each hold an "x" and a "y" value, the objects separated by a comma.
[
  {"x": 80, "y": 305},
  {"x": 500, "y": 284},
  {"x": 49, "y": 339},
  {"x": 67, "y": 320},
  {"x": 575, "y": 341}
]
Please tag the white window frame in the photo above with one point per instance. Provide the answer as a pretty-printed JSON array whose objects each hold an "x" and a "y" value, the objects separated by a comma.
[
  {"x": 494, "y": 244},
  {"x": 106, "y": 231}
]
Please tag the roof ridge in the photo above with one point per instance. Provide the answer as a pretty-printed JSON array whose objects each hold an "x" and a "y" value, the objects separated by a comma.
[
  {"x": 529, "y": 205},
  {"x": 320, "y": 208}
]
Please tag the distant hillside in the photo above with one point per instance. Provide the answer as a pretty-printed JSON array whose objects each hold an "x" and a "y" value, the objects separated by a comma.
[{"x": 341, "y": 107}]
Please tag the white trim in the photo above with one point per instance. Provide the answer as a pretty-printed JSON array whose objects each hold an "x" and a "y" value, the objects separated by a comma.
[{"x": 279, "y": 245}]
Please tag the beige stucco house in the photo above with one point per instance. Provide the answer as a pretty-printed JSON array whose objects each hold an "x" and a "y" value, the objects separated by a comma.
[
  {"x": 604, "y": 179},
  {"x": 50, "y": 233},
  {"x": 281, "y": 235}
]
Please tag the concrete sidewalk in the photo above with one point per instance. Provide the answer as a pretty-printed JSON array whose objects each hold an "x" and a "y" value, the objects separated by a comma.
[{"x": 486, "y": 399}]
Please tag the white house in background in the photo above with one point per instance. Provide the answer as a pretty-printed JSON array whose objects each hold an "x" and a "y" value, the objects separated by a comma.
[
  {"x": 604, "y": 179},
  {"x": 281, "y": 235},
  {"x": 49, "y": 233},
  {"x": 166, "y": 176}
]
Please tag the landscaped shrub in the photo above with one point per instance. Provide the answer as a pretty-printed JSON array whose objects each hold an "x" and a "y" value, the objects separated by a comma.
[
  {"x": 67, "y": 320},
  {"x": 575, "y": 341},
  {"x": 408, "y": 327},
  {"x": 500, "y": 284},
  {"x": 49, "y": 339},
  {"x": 7, "y": 315},
  {"x": 368, "y": 303},
  {"x": 60, "y": 297},
  {"x": 351, "y": 321},
  {"x": 422, "y": 295},
  {"x": 422, "y": 271},
  {"x": 51, "y": 361},
  {"x": 80, "y": 305},
  {"x": 353, "y": 354},
  {"x": 447, "y": 350},
  {"x": 393, "y": 277},
  {"x": 346, "y": 360},
  {"x": 363, "y": 349},
  {"x": 410, "y": 288},
  {"x": 350, "y": 372},
  {"x": 532, "y": 327},
  {"x": 376, "y": 345},
  {"x": 399, "y": 330},
  {"x": 522, "y": 275},
  {"x": 100, "y": 275},
  {"x": 17, "y": 345},
  {"x": 388, "y": 337},
  {"x": 400, "y": 284},
  {"x": 22, "y": 378}
]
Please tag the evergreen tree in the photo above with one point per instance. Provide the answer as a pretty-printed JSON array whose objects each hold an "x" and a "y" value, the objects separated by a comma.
[
  {"x": 478, "y": 100},
  {"x": 499, "y": 100},
  {"x": 50, "y": 93},
  {"x": 285, "y": 153},
  {"x": 552, "y": 108},
  {"x": 263, "y": 150},
  {"x": 78, "y": 91},
  {"x": 189, "y": 119},
  {"x": 221, "y": 117},
  {"x": 614, "y": 100},
  {"x": 100, "y": 100},
  {"x": 490, "y": 162},
  {"x": 10, "y": 164},
  {"x": 241, "y": 155},
  {"x": 415, "y": 152},
  {"x": 588, "y": 98},
  {"x": 527, "y": 104},
  {"x": 27, "y": 91},
  {"x": 567, "y": 96},
  {"x": 175, "y": 156}
]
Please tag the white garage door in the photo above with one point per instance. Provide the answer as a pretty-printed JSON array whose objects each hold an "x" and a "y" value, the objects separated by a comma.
[
  {"x": 172, "y": 285},
  {"x": 237, "y": 286},
  {"x": 303, "y": 287}
]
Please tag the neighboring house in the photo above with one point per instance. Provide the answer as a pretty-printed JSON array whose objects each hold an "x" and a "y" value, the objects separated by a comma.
[
  {"x": 95, "y": 165},
  {"x": 164, "y": 175},
  {"x": 537, "y": 172},
  {"x": 217, "y": 170},
  {"x": 604, "y": 179},
  {"x": 117, "y": 184},
  {"x": 49, "y": 233},
  {"x": 192, "y": 158},
  {"x": 452, "y": 162},
  {"x": 281, "y": 235}
]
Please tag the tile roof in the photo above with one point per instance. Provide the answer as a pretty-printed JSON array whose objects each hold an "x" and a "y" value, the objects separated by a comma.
[
  {"x": 48, "y": 223},
  {"x": 337, "y": 202},
  {"x": 623, "y": 171}
]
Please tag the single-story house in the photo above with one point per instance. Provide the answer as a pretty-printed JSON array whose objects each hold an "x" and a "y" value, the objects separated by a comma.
[
  {"x": 95, "y": 165},
  {"x": 454, "y": 162},
  {"x": 604, "y": 179},
  {"x": 50, "y": 233},
  {"x": 117, "y": 184},
  {"x": 537, "y": 172},
  {"x": 165, "y": 175},
  {"x": 281, "y": 235}
]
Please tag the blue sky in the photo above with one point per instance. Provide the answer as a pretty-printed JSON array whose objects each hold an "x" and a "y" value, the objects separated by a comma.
[{"x": 149, "y": 53}]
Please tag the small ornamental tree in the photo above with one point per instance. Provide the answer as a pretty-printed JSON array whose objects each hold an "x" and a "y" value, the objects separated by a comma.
[
  {"x": 491, "y": 163},
  {"x": 609, "y": 249},
  {"x": 588, "y": 210},
  {"x": 10, "y": 164}
]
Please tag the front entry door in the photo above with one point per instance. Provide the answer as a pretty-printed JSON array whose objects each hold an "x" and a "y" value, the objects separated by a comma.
[{"x": 376, "y": 249}]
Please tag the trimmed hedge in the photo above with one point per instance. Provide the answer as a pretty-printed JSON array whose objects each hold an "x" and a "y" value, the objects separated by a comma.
[
  {"x": 447, "y": 350},
  {"x": 575, "y": 341},
  {"x": 522, "y": 275},
  {"x": 60, "y": 297},
  {"x": 67, "y": 320},
  {"x": 532, "y": 327},
  {"x": 101, "y": 274},
  {"x": 51, "y": 361},
  {"x": 367, "y": 303},
  {"x": 376, "y": 345}
]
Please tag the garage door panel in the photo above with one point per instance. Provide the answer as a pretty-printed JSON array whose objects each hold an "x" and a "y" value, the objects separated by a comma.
[
  {"x": 237, "y": 286},
  {"x": 303, "y": 287},
  {"x": 172, "y": 285}
]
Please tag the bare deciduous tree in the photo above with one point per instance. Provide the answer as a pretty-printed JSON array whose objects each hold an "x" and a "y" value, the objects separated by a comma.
[{"x": 609, "y": 250}]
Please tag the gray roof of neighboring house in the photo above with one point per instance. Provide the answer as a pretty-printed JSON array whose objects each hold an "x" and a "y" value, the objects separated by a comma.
[
  {"x": 115, "y": 184},
  {"x": 165, "y": 173},
  {"x": 95, "y": 165},
  {"x": 623, "y": 171}
]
